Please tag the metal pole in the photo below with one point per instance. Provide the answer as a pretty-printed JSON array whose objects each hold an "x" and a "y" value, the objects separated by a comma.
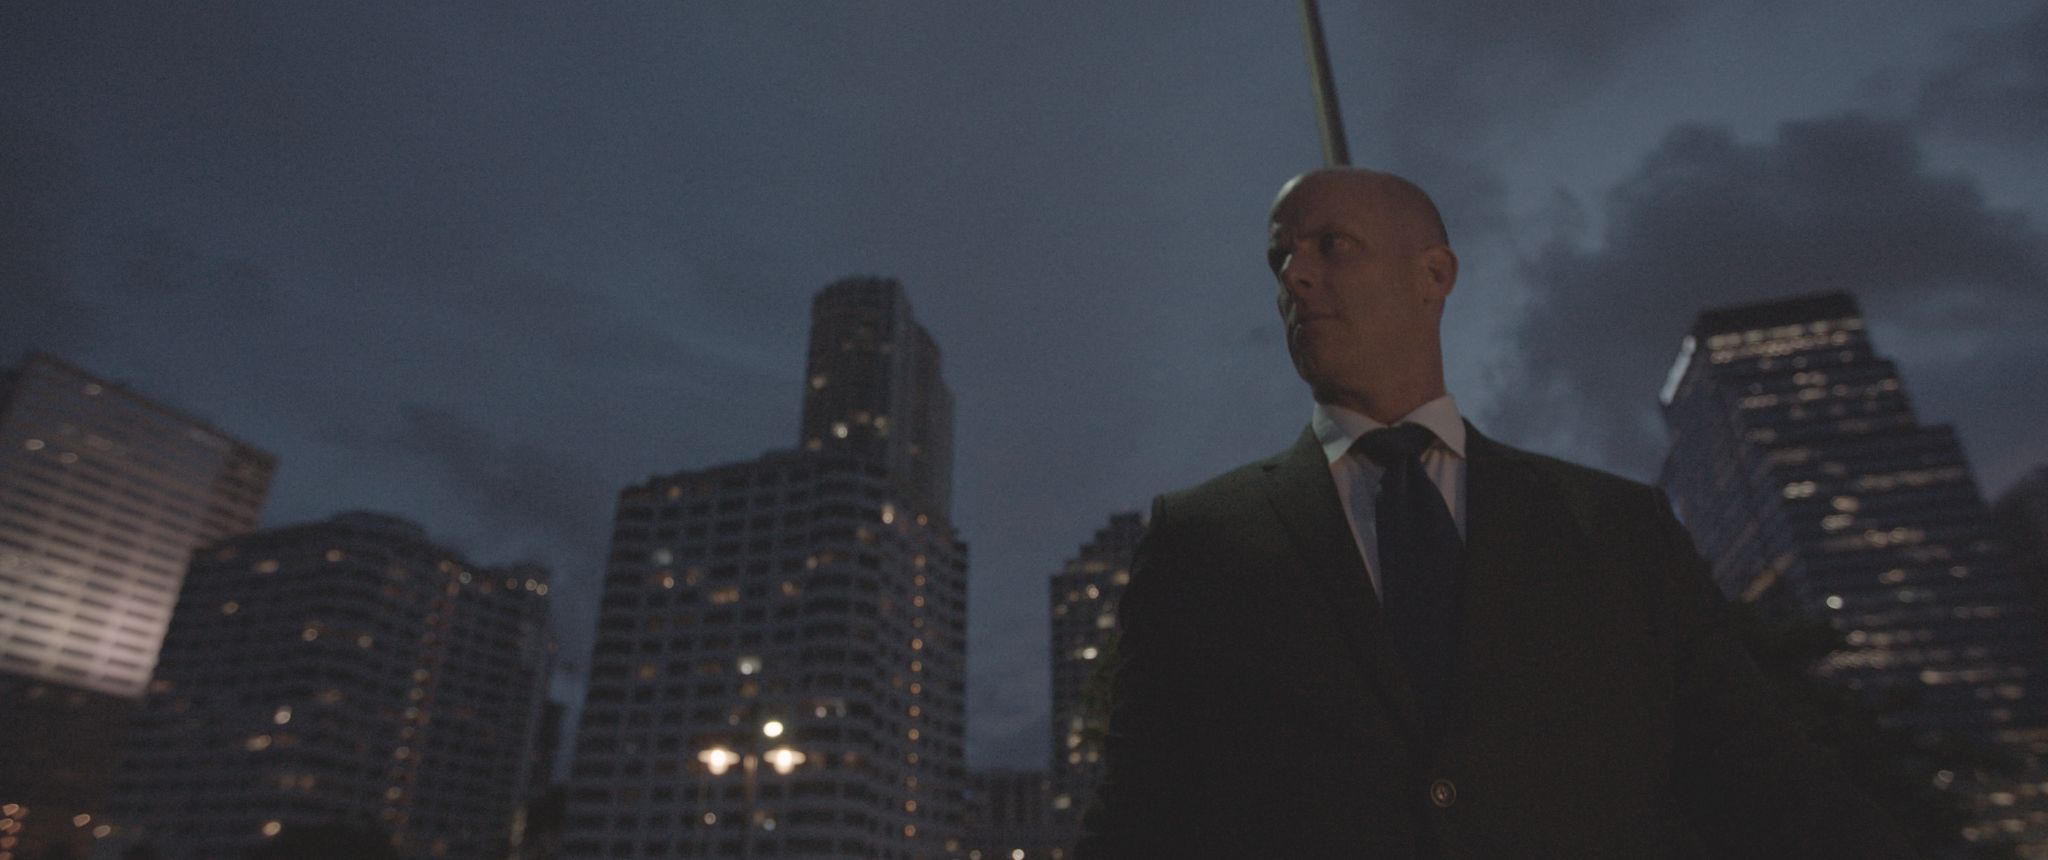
[
  {"x": 747, "y": 845},
  {"x": 1335, "y": 153}
]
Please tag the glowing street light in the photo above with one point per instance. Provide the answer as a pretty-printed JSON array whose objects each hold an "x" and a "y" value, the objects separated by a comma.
[
  {"x": 784, "y": 759},
  {"x": 718, "y": 760}
]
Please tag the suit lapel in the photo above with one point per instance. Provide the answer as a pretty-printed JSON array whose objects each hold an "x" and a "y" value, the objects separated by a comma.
[
  {"x": 1304, "y": 497},
  {"x": 1520, "y": 540},
  {"x": 1501, "y": 510}
]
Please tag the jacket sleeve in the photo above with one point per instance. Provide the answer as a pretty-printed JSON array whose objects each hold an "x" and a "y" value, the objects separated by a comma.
[
  {"x": 1751, "y": 785},
  {"x": 1142, "y": 804}
]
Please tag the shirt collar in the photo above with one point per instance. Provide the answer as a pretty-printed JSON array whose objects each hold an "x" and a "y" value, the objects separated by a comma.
[{"x": 1337, "y": 427}]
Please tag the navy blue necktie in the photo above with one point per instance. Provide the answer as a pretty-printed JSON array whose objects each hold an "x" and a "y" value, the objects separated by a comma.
[{"x": 1419, "y": 550}]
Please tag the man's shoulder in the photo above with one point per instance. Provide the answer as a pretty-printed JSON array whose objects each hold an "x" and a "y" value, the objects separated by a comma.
[
  {"x": 1600, "y": 502},
  {"x": 1224, "y": 494},
  {"x": 1565, "y": 474}
]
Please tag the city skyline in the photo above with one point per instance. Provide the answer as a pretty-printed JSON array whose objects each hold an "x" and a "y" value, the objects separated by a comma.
[
  {"x": 104, "y": 493},
  {"x": 781, "y": 659},
  {"x": 346, "y": 671},
  {"x": 1801, "y": 471},
  {"x": 480, "y": 267}
]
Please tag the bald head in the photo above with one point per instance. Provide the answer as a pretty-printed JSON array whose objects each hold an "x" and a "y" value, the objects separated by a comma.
[
  {"x": 1406, "y": 206},
  {"x": 1363, "y": 267}
]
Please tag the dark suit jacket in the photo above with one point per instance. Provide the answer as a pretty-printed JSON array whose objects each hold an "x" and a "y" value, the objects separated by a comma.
[{"x": 1607, "y": 709}]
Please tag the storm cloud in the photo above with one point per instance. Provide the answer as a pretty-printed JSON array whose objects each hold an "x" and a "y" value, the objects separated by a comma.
[
  {"x": 1995, "y": 85},
  {"x": 419, "y": 251},
  {"x": 1707, "y": 220}
]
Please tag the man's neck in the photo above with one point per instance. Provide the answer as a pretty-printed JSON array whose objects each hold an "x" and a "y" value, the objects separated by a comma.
[{"x": 1389, "y": 404}]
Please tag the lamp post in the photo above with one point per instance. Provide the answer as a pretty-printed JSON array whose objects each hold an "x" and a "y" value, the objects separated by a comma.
[
  {"x": 718, "y": 759},
  {"x": 1328, "y": 119}
]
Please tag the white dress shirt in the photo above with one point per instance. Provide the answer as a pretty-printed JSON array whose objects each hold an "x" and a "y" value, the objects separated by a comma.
[{"x": 1358, "y": 477}]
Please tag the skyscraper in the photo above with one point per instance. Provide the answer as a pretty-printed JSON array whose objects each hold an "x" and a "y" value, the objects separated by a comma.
[
  {"x": 2022, "y": 514},
  {"x": 1010, "y": 817},
  {"x": 873, "y": 389},
  {"x": 1799, "y": 467},
  {"x": 103, "y": 495},
  {"x": 780, "y": 664},
  {"x": 1084, "y": 598},
  {"x": 346, "y": 671}
]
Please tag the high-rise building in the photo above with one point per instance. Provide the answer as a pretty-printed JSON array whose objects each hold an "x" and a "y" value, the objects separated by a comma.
[
  {"x": 1799, "y": 467},
  {"x": 873, "y": 389},
  {"x": 2022, "y": 514},
  {"x": 104, "y": 493},
  {"x": 780, "y": 661},
  {"x": 1010, "y": 817},
  {"x": 344, "y": 672},
  {"x": 1084, "y": 597}
]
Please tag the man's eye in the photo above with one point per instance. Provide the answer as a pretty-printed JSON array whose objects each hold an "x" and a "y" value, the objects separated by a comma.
[{"x": 1329, "y": 242}]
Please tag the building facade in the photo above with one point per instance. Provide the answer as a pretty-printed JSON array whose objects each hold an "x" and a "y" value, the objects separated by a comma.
[
  {"x": 1798, "y": 465},
  {"x": 1010, "y": 817},
  {"x": 104, "y": 493},
  {"x": 345, "y": 672},
  {"x": 1084, "y": 597},
  {"x": 873, "y": 389},
  {"x": 2022, "y": 514},
  {"x": 780, "y": 661}
]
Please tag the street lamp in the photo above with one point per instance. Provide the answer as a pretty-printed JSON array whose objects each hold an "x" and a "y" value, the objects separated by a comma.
[{"x": 719, "y": 758}]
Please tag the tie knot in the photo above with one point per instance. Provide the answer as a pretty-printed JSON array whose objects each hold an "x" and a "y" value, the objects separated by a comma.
[{"x": 1400, "y": 443}]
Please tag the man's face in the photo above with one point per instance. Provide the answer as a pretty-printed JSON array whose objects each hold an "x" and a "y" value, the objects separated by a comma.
[{"x": 1354, "y": 290}]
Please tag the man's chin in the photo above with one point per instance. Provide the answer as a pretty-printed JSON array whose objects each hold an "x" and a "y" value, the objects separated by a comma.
[
  {"x": 1313, "y": 369},
  {"x": 1319, "y": 384}
]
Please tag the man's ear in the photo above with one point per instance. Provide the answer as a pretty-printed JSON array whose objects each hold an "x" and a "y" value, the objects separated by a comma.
[{"x": 1440, "y": 271}]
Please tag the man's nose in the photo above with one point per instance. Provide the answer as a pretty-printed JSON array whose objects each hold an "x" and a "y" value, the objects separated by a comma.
[{"x": 1297, "y": 274}]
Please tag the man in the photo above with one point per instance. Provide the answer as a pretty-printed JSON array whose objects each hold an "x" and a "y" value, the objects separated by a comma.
[{"x": 1400, "y": 639}]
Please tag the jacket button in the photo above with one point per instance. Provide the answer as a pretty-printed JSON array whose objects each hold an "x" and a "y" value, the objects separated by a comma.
[{"x": 1443, "y": 793}]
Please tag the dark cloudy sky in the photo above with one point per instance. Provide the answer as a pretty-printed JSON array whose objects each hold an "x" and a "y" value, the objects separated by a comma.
[{"x": 484, "y": 265}]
